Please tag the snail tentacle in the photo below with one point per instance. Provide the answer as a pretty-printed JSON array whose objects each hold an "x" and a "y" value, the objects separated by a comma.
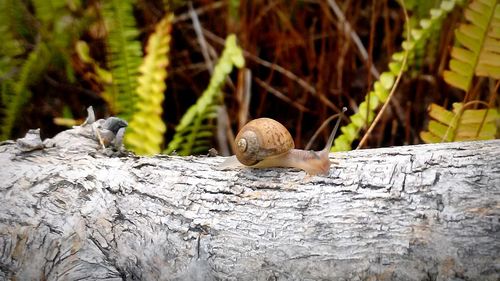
[{"x": 266, "y": 143}]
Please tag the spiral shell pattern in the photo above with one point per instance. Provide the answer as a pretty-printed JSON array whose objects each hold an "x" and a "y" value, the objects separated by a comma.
[{"x": 262, "y": 138}]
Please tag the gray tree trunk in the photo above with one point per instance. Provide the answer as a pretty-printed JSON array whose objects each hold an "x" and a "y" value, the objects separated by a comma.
[{"x": 72, "y": 212}]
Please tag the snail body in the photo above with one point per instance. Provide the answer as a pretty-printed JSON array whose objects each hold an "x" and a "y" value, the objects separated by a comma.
[{"x": 264, "y": 143}]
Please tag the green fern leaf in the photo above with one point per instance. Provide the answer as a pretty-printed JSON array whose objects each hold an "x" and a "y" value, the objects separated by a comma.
[
  {"x": 460, "y": 124},
  {"x": 419, "y": 37},
  {"x": 195, "y": 128},
  {"x": 16, "y": 93},
  {"x": 11, "y": 48},
  {"x": 477, "y": 53},
  {"x": 145, "y": 131},
  {"x": 441, "y": 114},
  {"x": 124, "y": 56},
  {"x": 45, "y": 10},
  {"x": 15, "y": 13},
  {"x": 478, "y": 50},
  {"x": 50, "y": 32}
]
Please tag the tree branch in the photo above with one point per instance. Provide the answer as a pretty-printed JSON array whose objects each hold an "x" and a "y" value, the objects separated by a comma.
[{"x": 426, "y": 212}]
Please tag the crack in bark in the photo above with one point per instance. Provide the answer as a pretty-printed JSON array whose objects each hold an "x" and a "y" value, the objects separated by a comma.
[{"x": 109, "y": 259}]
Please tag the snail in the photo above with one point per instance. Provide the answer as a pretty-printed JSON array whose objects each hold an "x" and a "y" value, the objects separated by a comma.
[{"x": 264, "y": 143}]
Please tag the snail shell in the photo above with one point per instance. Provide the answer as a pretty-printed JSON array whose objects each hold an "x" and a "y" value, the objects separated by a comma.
[{"x": 260, "y": 139}]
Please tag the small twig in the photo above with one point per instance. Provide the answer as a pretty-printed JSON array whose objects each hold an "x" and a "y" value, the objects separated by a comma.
[
  {"x": 262, "y": 13},
  {"x": 69, "y": 87},
  {"x": 354, "y": 36},
  {"x": 246, "y": 94},
  {"x": 396, "y": 83},
  {"x": 222, "y": 126},
  {"x": 279, "y": 69},
  {"x": 199, "y": 11},
  {"x": 222, "y": 116},
  {"x": 494, "y": 96},
  {"x": 280, "y": 95},
  {"x": 491, "y": 102},
  {"x": 370, "y": 57},
  {"x": 193, "y": 68},
  {"x": 96, "y": 132},
  {"x": 201, "y": 39}
]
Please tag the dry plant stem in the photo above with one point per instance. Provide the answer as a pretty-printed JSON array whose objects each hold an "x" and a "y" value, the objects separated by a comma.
[
  {"x": 447, "y": 40},
  {"x": 394, "y": 129},
  {"x": 96, "y": 132},
  {"x": 261, "y": 15},
  {"x": 193, "y": 68},
  {"x": 222, "y": 119},
  {"x": 293, "y": 77},
  {"x": 474, "y": 91},
  {"x": 354, "y": 36},
  {"x": 387, "y": 29},
  {"x": 407, "y": 122},
  {"x": 214, "y": 55},
  {"x": 340, "y": 65},
  {"x": 370, "y": 55},
  {"x": 66, "y": 87},
  {"x": 493, "y": 95},
  {"x": 222, "y": 126},
  {"x": 280, "y": 95},
  {"x": 199, "y": 11},
  {"x": 396, "y": 83},
  {"x": 201, "y": 39},
  {"x": 491, "y": 102},
  {"x": 279, "y": 69},
  {"x": 244, "y": 97}
]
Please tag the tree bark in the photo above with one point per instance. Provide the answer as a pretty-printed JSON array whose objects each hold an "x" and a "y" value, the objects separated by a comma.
[{"x": 425, "y": 212}]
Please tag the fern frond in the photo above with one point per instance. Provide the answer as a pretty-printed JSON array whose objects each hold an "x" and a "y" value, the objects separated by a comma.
[
  {"x": 101, "y": 76},
  {"x": 45, "y": 10},
  {"x": 15, "y": 13},
  {"x": 460, "y": 124},
  {"x": 124, "y": 55},
  {"x": 194, "y": 130},
  {"x": 145, "y": 131},
  {"x": 381, "y": 88},
  {"x": 477, "y": 52},
  {"x": 424, "y": 53},
  {"x": 478, "y": 45},
  {"x": 16, "y": 93},
  {"x": 51, "y": 32},
  {"x": 11, "y": 48}
]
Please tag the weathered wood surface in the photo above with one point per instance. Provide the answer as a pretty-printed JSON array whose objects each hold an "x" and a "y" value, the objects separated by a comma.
[{"x": 427, "y": 212}]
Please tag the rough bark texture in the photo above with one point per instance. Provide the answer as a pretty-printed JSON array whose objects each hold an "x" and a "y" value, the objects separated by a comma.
[{"x": 427, "y": 212}]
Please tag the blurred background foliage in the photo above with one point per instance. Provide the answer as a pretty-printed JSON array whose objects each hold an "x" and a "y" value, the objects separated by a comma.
[{"x": 167, "y": 67}]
